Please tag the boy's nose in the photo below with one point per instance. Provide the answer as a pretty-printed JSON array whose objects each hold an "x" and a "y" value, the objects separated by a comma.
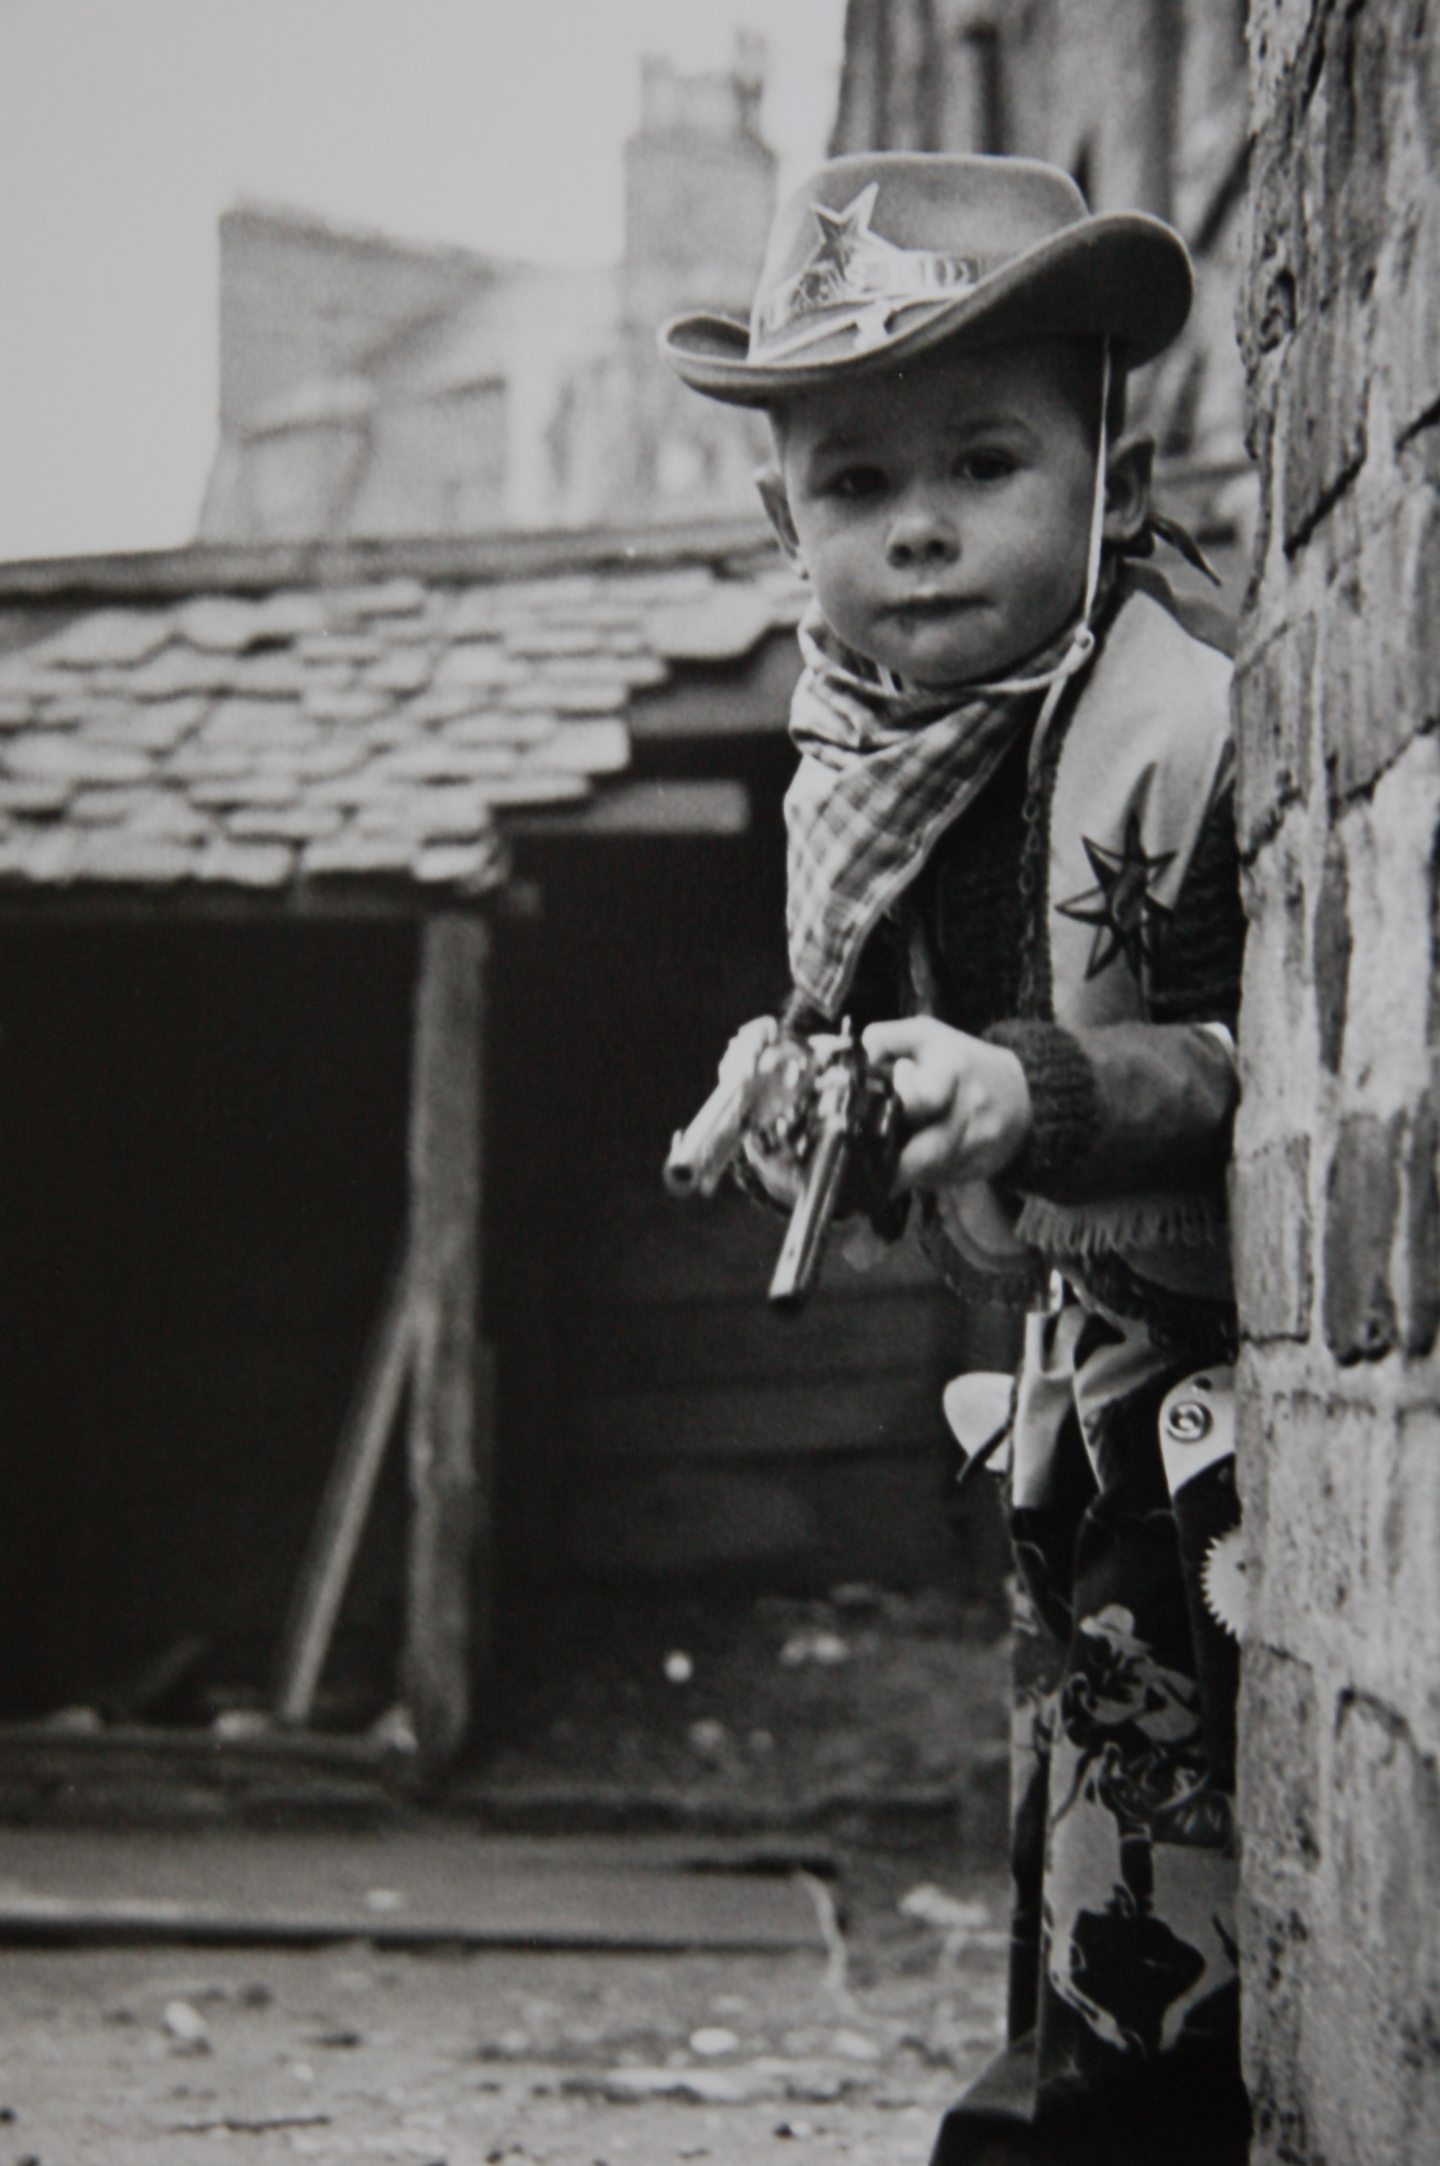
[{"x": 922, "y": 532}]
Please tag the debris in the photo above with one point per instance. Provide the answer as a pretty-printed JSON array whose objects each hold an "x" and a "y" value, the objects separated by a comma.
[
  {"x": 828, "y": 1920},
  {"x": 826, "y": 1649},
  {"x": 703, "y": 2086},
  {"x": 394, "y": 1731},
  {"x": 795, "y": 2128},
  {"x": 712, "y": 2040},
  {"x": 929, "y": 1905},
  {"x": 855, "y": 2046},
  {"x": 75, "y": 1722},
  {"x": 384, "y": 1901},
  {"x": 858, "y": 1598},
  {"x": 238, "y": 1725},
  {"x": 235, "y": 2124},
  {"x": 186, "y": 2026},
  {"x": 678, "y": 1667},
  {"x": 711, "y": 1740}
]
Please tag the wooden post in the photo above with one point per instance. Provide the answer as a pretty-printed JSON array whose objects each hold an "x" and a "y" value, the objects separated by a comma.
[
  {"x": 335, "y": 1541},
  {"x": 451, "y": 1453}
]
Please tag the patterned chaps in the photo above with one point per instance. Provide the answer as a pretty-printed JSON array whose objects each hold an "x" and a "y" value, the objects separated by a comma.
[{"x": 1124, "y": 2004}]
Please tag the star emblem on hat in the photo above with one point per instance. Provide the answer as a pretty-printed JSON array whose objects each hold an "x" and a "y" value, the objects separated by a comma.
[
  {"x": 856, "y": 281},
  {"x": 1127, "y": 917},
  {"x": 839, "y": 230}
]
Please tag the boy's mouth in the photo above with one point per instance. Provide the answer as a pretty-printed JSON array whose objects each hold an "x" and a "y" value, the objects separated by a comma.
[{"x": 928, "y": 608}]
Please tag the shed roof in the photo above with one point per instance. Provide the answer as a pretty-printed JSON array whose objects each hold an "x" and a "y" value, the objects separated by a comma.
[{"x": 269, "y": 720}]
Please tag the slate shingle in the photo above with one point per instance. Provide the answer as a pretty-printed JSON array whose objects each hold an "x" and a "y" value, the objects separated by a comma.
[{"x": 368, "y": 728}]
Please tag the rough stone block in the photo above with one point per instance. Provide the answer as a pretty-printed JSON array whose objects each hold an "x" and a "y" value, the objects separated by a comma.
[
  {"x": 1274, "y": 692},
  {"x": 1323, "y": 418},
  {"x": 1366, "y": 666},
  {"x": 1279, "y": 1763},
  {"x": 1362, "y": 1196},
  {"x": 1419, "y": 1263},
  {"x": 1275, "y": 1938},
  {"x": 1331, "y": 943},
  {"x": 1270, "y": 1205},
  {"x": 1384, "y": 2056}
]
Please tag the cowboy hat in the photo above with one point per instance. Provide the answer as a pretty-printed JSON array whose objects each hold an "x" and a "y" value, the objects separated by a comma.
[{"x": 879, "y": 257}]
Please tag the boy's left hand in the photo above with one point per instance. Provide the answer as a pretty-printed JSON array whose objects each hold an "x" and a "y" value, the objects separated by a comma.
[{"x": 966, "y": 1102}]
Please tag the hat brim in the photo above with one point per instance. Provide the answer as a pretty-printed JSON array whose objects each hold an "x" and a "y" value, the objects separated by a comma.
[{"x": 1120, "y": 276}]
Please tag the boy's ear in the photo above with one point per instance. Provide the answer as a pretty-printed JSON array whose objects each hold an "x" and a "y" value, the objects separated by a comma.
[
  {"x": 1127, "y": 487},
  {"x": 777, "y": 510}
]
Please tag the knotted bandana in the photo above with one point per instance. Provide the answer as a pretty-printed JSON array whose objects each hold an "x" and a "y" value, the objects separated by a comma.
[{"x": 884, "y": 771}]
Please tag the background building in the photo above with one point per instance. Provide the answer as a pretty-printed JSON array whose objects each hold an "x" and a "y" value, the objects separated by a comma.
[{"x": 373, "y": 388}]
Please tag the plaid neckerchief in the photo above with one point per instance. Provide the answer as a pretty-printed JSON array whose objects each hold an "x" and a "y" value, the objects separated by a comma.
[{"x": 883, "y": 772}]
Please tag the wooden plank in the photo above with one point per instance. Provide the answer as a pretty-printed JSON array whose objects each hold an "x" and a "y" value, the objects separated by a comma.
[
  {"x": 402, "y": 1890},
  {"x": 804, "y": 1525},
  {"x": 640, "y": 1244},
  {"x": 345, "y": 1504},
  {"x": 679, "y": 808},
  {"x": 698, "y": 1344},
  {"x": 451, "y": 1442},
  {"x": 900, "y": 1414}
]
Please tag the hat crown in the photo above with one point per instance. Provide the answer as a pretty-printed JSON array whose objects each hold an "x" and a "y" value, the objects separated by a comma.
[
  {"x": 883, "y": 256},
  {"x": 868, "y": 237}
]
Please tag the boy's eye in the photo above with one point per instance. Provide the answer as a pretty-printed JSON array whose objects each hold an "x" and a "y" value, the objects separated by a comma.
[
  {"x": 854, "y": 482},
  {"x": 985, "y": 465}
]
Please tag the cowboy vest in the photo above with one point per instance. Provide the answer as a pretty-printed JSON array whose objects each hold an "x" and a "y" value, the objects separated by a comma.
[{"x": 1145, "y": 756}]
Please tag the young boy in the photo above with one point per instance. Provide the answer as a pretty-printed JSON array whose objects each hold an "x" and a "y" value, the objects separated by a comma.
[{"x": 1011, "y": 859}]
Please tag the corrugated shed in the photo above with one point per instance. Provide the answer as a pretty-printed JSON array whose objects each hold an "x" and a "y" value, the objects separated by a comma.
[{"x": 313, "y": 730}]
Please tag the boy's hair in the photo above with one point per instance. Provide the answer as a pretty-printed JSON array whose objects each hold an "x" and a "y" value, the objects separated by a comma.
[{"x": 1080, "y": 377}]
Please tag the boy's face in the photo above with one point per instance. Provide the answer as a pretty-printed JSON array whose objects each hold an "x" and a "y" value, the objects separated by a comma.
[{"x": 943, "y": 513}]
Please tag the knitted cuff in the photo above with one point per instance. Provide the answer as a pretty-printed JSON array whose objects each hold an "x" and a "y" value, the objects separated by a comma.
[{"x": 1063, "y": 1097}]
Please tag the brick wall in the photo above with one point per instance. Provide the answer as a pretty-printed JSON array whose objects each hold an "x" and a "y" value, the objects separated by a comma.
[{"x": 1339, "y": 698}]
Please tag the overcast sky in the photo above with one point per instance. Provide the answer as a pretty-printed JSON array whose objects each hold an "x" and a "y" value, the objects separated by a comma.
[{"x": 127, "y": 126}]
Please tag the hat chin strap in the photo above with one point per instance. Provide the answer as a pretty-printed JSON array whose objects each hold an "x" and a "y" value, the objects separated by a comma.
[{"x": 1082, "y": 639}]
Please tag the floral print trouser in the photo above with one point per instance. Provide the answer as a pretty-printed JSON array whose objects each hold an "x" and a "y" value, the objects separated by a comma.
[{"x": 1123, "y": 1991}]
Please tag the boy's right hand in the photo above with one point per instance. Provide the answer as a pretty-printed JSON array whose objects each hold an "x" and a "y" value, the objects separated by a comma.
[{"x": 966, "y": 1102}]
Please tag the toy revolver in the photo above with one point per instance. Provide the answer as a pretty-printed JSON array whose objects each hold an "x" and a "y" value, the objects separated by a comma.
[{"x": 814, "y": 1101}]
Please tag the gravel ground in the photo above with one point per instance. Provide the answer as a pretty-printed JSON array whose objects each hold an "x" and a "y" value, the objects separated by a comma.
[
  {"x": 873, "y": 1719},
  {"x": 169, "y": 2057}
]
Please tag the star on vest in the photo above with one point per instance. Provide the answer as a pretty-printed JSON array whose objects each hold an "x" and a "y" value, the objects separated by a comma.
[{"x": 1129, "y": 920}]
